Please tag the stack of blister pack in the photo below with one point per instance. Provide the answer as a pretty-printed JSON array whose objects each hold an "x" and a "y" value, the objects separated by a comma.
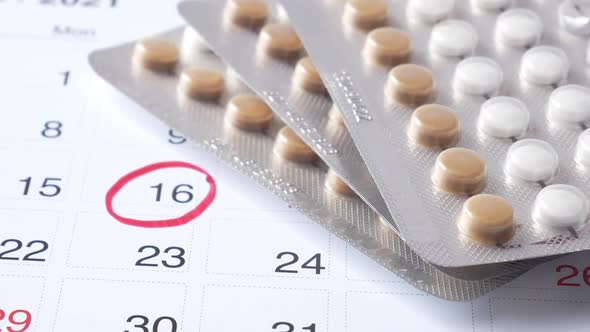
[{"x": 444, "y": 139}]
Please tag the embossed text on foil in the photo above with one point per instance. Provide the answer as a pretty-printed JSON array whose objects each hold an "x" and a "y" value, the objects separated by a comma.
[
  {"x": 353, "y": 98},
  {"x": 300, "y": 123}
]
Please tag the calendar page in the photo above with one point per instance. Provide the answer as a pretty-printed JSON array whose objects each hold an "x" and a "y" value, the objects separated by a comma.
[{"x": 74, "y": 151}]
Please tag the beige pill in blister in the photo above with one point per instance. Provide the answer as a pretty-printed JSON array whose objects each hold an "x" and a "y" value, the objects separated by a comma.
[
  {"x": 410, "y": 84},
  {"x": 248, "y": 112},
  {"x": 279, "y": 40},
  {"x": 459, "y": 171},
  {"x": 387, "y": 46},
  {"x": 247, "y": 13},
  {"x": 306, "y": 77},
  {"x": 202, "y": 83},
  {"x": 290, "y": 146},
  {"x": 434, "y": 126},
  {"x": 365, "y": 14},
  {"x": 488, "y": 219},
  {"x": 156, "y": 54},
  {"x": 335, "y": 184},
  {"x": 335, "y": 116}
]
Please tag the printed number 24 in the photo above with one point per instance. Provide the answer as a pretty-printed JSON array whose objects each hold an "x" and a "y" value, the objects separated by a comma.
[{"x": 314, "y": 263}]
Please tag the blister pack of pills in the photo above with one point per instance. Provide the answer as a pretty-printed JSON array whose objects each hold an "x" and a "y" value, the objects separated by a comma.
[
  {"x": 279, "y": 71},
  {"x": 273, "y": 63},
  {"x": 189, "y": 89},
  {"x": 470, "y": 116}
]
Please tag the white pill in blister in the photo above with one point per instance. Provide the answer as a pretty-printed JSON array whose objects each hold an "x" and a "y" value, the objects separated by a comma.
[
  {"x": 531, "y": 160},
  {"x": 561, "y": 206},
  {"x": 583, "y": 149},
  {"x": 453, "y": 38},
  {"x": 492, "y": 4},
  {"x": 431, "y": 10},
  {"x": 519, "y": 27},
  {"x": 503, "y": 117},
  {"x": 544, "y": 65},
  {"x": 569, "y": 105},
  {"x": 478, "y": 76},
  {"x": 574, "y": 15}
]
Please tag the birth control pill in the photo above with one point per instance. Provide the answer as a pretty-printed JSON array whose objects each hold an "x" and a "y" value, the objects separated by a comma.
[
  {"x": 583, "y": 149},
  {"x": 306, "y": 77},
  {"x": 531, "y": 160},
  {"x": 335, "y": 116},
  {"x": 280, "y": 41},
  {"x": 478, "y": 76},
  {"x": 504, "y": 117},
  {"x": 387, "y": 47},
  {"x": 431, "y": 11},
  {"x": 569, "y": 105},
  {"x": 487, "y": 219},
  {"x": 202, "y": 83},
  {"x": 519, "y": 27},
  {"x": 453, "y": 38},
  {"x": 561, "y": 206},
  {"x": 459, "y": 171},
  {"x": 410, "y": 84},
  {"x": 434, "y": 126},
  {"x": 335, "y": 184},
  {"x": 365, "y": 14},
  {"x": 248, "y": 112},
  {"x": 247, "y": 13},
  {"x": 574, "y": 16},
  {"x": 544, "y": 65},
  {"x": 491, "y": 5},
  {"x": 156, "y": 54},
  {"x": 290, "y": 146}
]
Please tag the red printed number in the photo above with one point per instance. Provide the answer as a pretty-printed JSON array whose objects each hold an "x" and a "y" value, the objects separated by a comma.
[
  {"x": 570, "y": 279},
  {"x": 18, "y": 320}
]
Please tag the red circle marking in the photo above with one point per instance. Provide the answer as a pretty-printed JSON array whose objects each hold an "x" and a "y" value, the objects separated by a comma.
[{"x": 194, "y": 213}]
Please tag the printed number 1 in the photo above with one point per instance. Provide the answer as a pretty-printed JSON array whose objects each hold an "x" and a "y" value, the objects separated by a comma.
[{"x": 66, "y": 77}]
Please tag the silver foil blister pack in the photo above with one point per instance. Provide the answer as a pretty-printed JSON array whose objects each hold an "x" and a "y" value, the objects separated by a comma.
[
  {"x": 306, "y": 109},
  {"x": 276, "y": 78},
  {"x": 251, "y": 152},
  {"x": 514, "y": 74}
]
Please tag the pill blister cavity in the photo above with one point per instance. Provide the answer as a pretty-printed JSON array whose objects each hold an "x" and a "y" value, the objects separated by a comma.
[
  {"x": 583, "y": 149},
  {"x": 544, "y": 65},
  {"x": 478, "y": 76},
  {"x": 453, "y": 38},
  {"x": 487, "y": 219},
  {"x": 531, "y": 160},
  {"x": 434, "y": 126},
  {"x": 336, "y": 185},
  {"x": 569, "y": 106},
  {"x": 288, "y": 145},
  {"x": 561, "y": 206},
  {"x": 365, "y": 14},
  {"x": 387, "y": 47},
  {"x": 574, "y": 16},
  {"x": 519, "y": 27},
  {"x": 459, "y": 171},
  {"x": 202, "y": 83},
  {"x": 335, "y": 117},
  {"x": 247, "y": 13},
  {"x": 410, "y": 84},
  {"x": 430, "y": 11},
  {"x": 248, "y": 112},
  {"x": 307, "y": 77},
  {"x": 503, "y": 117},
  {"x": 156, "y": 54},
  {"x": 491, "y": 5},
  {"x": 279, "y": 41}
]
